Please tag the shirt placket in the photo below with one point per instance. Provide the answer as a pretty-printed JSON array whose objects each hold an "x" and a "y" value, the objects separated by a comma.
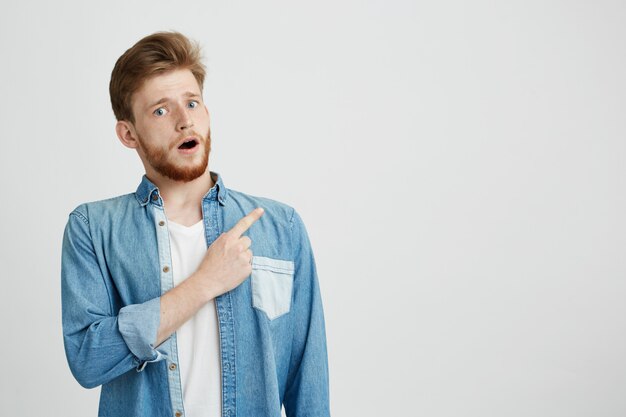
[
  {"x": 167, "y": 283},
  {"x": 224, "y": 306}
]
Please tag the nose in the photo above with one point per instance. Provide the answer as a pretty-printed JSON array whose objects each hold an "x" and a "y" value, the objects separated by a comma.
[{"x": 184, "y": 121}]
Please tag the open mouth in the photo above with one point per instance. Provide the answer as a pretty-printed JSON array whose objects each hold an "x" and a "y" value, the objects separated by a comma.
[{"x": 190, "y": 144}]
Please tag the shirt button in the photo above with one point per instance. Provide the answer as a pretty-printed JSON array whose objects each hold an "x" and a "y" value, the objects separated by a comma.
[
  {"x": 161, "y": 223},
  {"x": 155, "y": 197},
  {"x": 172, "y": 366},
  {"x": 166, "y": 268},
  {"x": 178, "y": 414}
]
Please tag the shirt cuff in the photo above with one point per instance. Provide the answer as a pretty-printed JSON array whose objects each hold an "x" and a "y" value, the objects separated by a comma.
[{"x": 138, "y": 324}]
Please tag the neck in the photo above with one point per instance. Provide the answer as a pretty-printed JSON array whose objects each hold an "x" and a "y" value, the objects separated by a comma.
[{"x": 181, "y": 200}]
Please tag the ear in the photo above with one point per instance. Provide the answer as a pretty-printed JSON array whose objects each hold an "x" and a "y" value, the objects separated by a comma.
[{"x": 126, "y": 134}]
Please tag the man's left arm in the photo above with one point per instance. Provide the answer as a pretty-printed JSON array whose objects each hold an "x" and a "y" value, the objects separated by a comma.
[{"x": 307, "y": 392}]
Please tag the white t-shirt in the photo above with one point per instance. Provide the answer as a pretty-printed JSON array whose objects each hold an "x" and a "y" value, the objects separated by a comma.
[{"x": 197, "y": 339}]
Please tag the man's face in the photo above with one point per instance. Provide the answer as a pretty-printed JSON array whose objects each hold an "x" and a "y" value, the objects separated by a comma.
[{"x": 172, "y": 126}]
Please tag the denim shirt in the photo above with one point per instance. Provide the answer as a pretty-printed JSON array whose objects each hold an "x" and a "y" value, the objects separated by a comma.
[{"x": 116, "y": 264}]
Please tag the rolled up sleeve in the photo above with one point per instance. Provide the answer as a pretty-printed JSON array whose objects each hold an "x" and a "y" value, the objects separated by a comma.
[
  {"x": 138, "y": 324},
  {"x": 100, "y": 343}
]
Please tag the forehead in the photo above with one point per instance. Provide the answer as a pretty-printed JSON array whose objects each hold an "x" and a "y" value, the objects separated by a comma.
[{"x": 169, "y": 85}]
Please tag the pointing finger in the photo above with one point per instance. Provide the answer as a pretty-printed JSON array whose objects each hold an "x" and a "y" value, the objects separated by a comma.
[{"x": 247, "y": 221}]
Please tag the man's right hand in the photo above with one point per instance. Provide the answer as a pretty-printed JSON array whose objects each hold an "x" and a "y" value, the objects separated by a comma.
[
  {"x": 226, "y": 264},
  {"x": 228, "y": 261}
]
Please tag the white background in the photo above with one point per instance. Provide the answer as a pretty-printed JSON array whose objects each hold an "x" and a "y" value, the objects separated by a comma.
[{"x": 460, "y": 168}]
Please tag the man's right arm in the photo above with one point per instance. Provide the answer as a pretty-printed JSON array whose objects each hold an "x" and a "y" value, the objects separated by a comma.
[
  {"x": 101, "y": 345},
  {"x": 226, "y": 264}
]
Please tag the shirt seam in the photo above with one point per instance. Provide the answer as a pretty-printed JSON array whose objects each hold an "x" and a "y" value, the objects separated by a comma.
[
  {"x": 293, "y": 244},
  {"x": 85, "y": 220},
  {"x": 82, "y": 217}
]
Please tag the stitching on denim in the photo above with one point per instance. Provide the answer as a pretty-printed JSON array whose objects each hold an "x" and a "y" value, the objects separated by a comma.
[
  {"x": 270, "y": 268},
  {"x": 290, "y": 378},
  {"x": 85, "y": 220},
  {"x": 268, "y": 317},
  {"x": 80, "y": 216},
  {"x": 234, "y": 362},
  {"x": 293, "y": 214},
  {"x": 274, "y": 268}
]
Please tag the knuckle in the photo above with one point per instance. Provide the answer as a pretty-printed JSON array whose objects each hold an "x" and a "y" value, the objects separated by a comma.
[{"x": 231, "y": 251}]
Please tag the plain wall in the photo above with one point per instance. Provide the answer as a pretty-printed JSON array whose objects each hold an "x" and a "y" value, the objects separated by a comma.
[{"x": 460, "y": 167}]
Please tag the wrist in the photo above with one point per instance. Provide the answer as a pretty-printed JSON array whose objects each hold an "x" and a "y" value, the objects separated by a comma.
[{"x": 201, "y": 288}]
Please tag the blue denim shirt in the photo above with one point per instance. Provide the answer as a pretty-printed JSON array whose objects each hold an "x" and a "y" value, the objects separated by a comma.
[{"x": 116, "y": 264}]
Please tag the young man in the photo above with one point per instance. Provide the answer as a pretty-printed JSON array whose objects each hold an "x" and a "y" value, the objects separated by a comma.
[{"x": 186, "y": 298}]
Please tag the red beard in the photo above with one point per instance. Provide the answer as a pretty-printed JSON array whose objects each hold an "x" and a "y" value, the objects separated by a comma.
[{"x": 159, "y": 160}]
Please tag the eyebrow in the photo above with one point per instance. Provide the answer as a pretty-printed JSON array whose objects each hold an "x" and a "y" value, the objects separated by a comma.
[{"x": 188, "y": 94}]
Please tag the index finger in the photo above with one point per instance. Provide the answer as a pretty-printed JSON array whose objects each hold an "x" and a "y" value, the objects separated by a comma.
[{"x": 247, "y": 221}]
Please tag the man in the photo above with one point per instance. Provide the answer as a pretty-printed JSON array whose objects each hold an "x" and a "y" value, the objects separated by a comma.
[{"x": 186, "y": 298}]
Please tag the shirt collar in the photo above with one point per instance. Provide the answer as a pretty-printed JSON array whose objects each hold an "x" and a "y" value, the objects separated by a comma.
[{"x": 147, "y": 191}]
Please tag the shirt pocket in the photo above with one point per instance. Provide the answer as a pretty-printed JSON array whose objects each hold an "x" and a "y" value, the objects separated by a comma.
[{"x": 272, "y": 285}]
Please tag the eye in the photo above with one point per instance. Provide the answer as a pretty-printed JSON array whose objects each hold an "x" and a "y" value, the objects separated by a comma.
[
  {"x": 193, "y": 104},
  {"x": 160, "y": 112}
]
